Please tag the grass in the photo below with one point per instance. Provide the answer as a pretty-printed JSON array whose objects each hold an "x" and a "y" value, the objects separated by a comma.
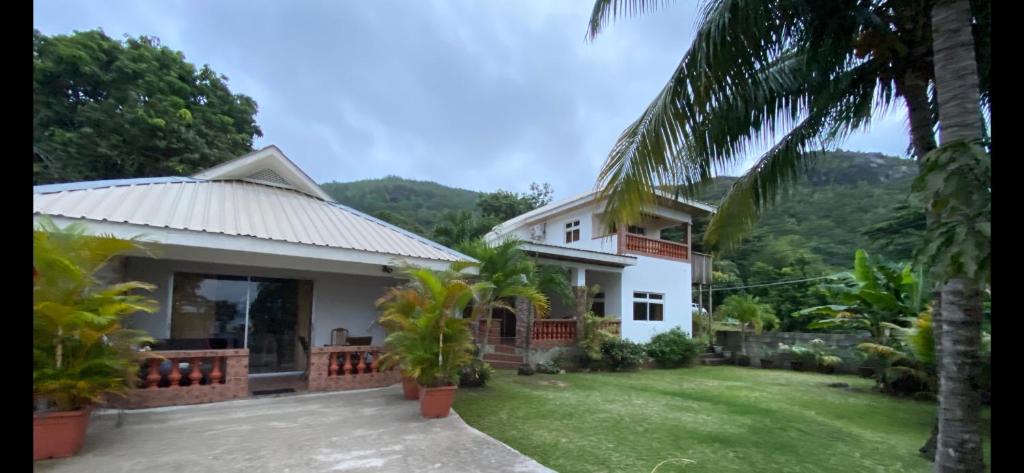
[{"x": 725, "y": 419}]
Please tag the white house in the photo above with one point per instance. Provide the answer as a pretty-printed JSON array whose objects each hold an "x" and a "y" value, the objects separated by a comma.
[
  {"x": 256, "y": 269},
  {"x": 645, "y": 281}
]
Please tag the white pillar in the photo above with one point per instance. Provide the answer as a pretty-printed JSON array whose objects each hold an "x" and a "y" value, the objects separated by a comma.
[{"x": 578, "y": 277}]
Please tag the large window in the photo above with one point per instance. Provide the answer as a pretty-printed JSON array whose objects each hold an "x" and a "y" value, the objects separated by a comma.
[
  {"x": 265, "y": 315},
  {"x": 648, "y": 306},
  {"x": 572, "y": 231}
]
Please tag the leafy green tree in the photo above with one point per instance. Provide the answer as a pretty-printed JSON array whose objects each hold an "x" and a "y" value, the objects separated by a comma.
[
  {"x": 504, "y": 205},
  {"x": 876, "y": 297},
  {"x": 105, "y": 109},
  {"x": 457, "y": 227},
  {"x": 748, "y": 311}
]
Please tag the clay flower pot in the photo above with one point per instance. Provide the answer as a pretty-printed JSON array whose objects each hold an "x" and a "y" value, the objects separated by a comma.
[
  {"x": 58, "y": 434},
  {"x": 767, "y": 363},
  {"x": 436, "y": 402},
  {"x": 796, "y": 365},
  {"x": 410, "y": 388}
]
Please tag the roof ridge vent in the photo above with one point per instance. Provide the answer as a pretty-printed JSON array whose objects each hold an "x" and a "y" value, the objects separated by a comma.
[{"x": 268, "y": 176}]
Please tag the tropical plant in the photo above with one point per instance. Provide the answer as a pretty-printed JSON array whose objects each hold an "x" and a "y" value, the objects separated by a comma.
[
  {"x": 748, "y": 310},
  {"x": 797, "y": 353},
  {"x": 476, "y": 374},
  {"x": 105, "y": 109},
  {"x": 623, "y": 355},
  {"x": 510, "y": 273},
  {"x": 901, "y": 374},
  {"x": 82, "y": 352},
  {"x": 672, "y": 349},
  {"x": 823, "y": 356},
  {"x": 877, "y": 297},
  {"x": 594, "y": 335},
  {"x": 430, "y": 339}
]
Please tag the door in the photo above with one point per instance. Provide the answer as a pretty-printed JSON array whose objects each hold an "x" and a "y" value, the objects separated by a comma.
[{"x": 278, "y": 315}]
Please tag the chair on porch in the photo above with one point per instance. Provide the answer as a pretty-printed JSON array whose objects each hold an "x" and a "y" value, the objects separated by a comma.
[{"x": 339, "y": 337}]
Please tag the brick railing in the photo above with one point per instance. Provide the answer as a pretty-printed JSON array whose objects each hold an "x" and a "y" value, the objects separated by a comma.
[
  {"x": 642, "y": 245},
  {"x": 178, "y": 377},
  {"x": 554, "y": 332},
  {"x": 348, "y": 367},
  {"x": 611, "y": 326}
]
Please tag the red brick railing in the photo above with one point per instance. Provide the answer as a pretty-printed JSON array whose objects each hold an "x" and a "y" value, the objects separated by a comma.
[
  {"x": 653, "y": 247},
  {"x": 611, "y": 326},
  {"x": 348, "y": 367},
  {"x": 177, "y": 377},
  {"x": 554, "y": 332}
]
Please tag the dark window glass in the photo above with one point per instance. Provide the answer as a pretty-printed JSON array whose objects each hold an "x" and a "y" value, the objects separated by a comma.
[
  {"x": 655, "y": 296},
  {"x": 598, "y": 309},
  {"x": 656, "y": 312},
  {"x": 639, "y": 311}
]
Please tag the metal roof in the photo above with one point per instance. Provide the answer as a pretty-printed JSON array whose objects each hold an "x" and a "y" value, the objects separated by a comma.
[{"x": 232, "y": 207}]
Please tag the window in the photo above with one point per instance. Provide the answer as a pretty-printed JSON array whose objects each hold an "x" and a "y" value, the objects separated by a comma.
[
  {"x": 572, "y": 231},
  {"x": 648, "y": 306},
  {"x": 598, "y": 304},
  {"x": 636, "y": 230}
]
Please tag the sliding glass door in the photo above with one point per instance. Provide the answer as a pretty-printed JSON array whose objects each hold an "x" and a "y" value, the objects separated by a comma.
[{"x": 266, "y": 315}]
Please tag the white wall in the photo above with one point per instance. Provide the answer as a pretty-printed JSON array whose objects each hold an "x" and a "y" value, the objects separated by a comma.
[
  {"x": 668, "y": 277},
  {"x": 339, "y": 300}
]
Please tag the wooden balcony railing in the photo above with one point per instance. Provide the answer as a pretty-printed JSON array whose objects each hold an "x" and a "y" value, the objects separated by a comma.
[
  {"x": 642, "y": 245},
  {"x": 611, "y": 326},
  {"x": 177, "y": 377},
  {"x": 338, "y": 368}
]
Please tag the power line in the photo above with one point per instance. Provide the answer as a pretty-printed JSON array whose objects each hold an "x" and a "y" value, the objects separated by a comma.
[{"x": 777, "y": 283}]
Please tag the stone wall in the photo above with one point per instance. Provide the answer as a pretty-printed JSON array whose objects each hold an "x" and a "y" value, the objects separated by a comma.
[{"x": 841, "y": 344}]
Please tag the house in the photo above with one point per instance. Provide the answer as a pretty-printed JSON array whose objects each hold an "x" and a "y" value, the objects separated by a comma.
[
  {"x": 262, "y": 279},
  {"x": 644, "y": 279}
]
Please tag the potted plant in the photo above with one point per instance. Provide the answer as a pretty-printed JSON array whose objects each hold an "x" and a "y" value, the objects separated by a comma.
[
  {"x": 767, "y": 360},
  {"x": 799, "y": 357},
  {"x": 82, "y": 354},
  {"x": 825, "y": 361},
  {"x": 398, "y": 308},
  {"x": 435, "y": 343}
]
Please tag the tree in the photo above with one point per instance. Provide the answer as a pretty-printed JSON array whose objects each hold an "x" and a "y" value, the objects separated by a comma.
[
  {"x": 877, "y": 297},
  {"x": 748, "y": 310},
  {"x": 815, "y": 70},
  {"x": 511, "y": 274},
  {"x": 460, "y": 226},
  {"x": 504, "y": 205},
  {"x": 106, "y": 109}
]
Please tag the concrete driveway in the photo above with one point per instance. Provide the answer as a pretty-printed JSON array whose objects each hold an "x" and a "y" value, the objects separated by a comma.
[{"x": 355, "y": 431}]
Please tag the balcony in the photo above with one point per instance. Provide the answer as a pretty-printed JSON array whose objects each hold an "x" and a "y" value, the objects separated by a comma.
[{"x": 641, "y": 245}]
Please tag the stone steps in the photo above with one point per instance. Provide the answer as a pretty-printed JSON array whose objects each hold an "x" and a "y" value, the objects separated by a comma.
[
  {"x": 489, "y": 357},
  {"x": 505, "y": 365}
]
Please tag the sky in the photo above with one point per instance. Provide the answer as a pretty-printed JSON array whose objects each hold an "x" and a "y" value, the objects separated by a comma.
[{"x": 476, "y": 94}]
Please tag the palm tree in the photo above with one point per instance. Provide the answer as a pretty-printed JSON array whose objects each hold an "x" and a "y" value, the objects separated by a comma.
[
  {"x": 748, "y": 310},
  {"x": 510, "y": 272},
  {"x": 456, "y": 227},
  {"x": 815, "y": 70}
]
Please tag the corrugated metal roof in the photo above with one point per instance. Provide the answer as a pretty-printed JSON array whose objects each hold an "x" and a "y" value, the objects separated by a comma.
[{"x": 233, "y": 208}]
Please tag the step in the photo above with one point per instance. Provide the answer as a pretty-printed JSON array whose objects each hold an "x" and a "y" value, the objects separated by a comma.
[
  {"x": 505, "y": 365},
  {"x": 705, "y": 356},
  {"x": 503, "y": 357},
  {"x": 509, "y": 349},
  {"x": 714, "y": 361}
]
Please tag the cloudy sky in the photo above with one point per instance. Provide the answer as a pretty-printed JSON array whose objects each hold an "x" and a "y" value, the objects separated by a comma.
[{"x": 470, "y": 93}]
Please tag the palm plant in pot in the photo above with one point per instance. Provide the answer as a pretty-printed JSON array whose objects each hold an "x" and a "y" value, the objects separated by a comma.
[
  {"x": 81, "y": 351},
  {"x": 436, "y": 343},
  {"x": 398, "y": 307}
]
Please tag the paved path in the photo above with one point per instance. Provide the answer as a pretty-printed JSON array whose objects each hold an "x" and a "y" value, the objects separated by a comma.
[{"x": 355, "y": 431}]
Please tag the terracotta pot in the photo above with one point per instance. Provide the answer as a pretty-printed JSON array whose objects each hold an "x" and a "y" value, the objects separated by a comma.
[
  {"x": 58, "y": 434},
  {"x": 766, "y": 363},
  {"x": 436, "y": 402},
  {"x": 796, "y": 365},
  {"x": 410, "y": 388}
]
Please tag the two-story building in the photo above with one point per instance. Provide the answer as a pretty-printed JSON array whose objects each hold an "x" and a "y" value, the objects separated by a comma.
[{"x": 644, "y": 279}]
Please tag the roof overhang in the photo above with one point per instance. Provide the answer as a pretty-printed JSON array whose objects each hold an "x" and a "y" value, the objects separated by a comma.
[
  {"x": 326, "y": 258},
  {"x": 575, "y": 255}
]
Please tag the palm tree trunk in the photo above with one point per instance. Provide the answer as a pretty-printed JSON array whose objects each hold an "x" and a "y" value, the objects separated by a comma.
[
  {"x": 928, "y": 449},
  {"x": 487, "y": 332},
  {"x": 956, "y": 85}
]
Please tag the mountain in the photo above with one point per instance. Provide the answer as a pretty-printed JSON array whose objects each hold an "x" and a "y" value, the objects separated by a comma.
[
  {"x": 413, "y": 205},
  {"x": 821, "y": 220}
]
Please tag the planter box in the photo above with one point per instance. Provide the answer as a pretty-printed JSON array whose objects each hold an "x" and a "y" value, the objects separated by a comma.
[{"x": 58, "y": 434}]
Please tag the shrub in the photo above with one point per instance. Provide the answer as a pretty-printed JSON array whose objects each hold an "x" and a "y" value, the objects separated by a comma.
[
  {"x": 672, "y": 349},
  {"x": 548, "y": 367},
  {"x": 622, "y": 355},
  {"x": 570, "y": 361},
  {"x": 593, "y": 337},
  {"x": 476, "y": 374}
]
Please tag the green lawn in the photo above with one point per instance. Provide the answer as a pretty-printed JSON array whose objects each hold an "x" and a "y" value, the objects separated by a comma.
[{"x": 724, "y": 418}]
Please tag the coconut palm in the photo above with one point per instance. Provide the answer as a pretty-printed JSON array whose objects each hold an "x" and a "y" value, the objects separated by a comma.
[
  {"x": 511, "y": 274},
  {"x": 748, "y": 311},
  {"x": 814, "y": 71}
]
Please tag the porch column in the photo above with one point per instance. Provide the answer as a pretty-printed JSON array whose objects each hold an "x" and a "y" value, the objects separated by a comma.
[{"x": 578, "y": 278}]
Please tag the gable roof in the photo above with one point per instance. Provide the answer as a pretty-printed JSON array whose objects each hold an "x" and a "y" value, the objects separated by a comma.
[
  {"x": 242, "y": 207},
  {"x": 581, "y": 200},
  {"x": 266, "y": 166}
]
